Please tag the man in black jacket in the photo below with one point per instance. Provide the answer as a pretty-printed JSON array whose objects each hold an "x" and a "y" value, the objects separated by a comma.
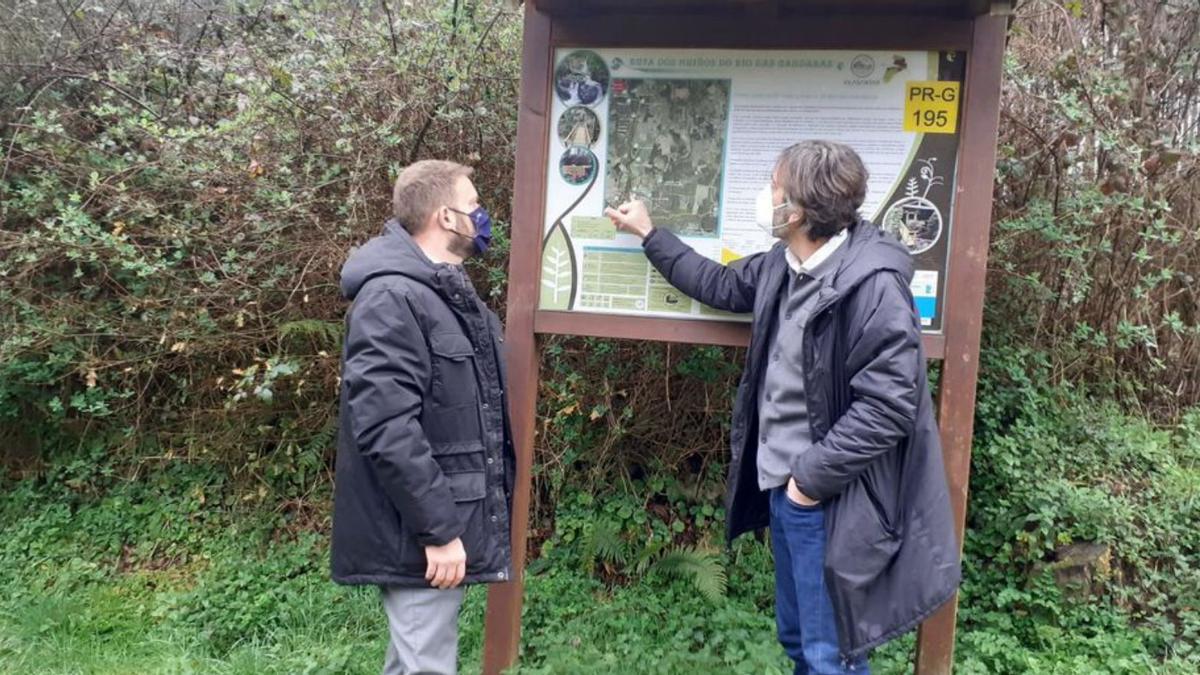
[
  {"x": 835, "y": 446},
  {"x": 425, "y": 462}
]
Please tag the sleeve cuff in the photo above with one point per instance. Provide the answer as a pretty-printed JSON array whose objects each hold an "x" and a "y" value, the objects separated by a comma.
[
  {"x": 802, "y": 474},
  {"x": 442, "y": 537}
]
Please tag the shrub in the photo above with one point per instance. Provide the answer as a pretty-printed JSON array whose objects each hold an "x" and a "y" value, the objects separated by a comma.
[
  {"x": 1095, "y": 246},
  {"x": 180, "y": 185}
]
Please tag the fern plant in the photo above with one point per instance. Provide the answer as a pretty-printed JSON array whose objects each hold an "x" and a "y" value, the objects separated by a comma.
[
  {"x": 702, "y": 567},
  {"x": 321, "y": 334},
  {"x": 603, "y": 543}
]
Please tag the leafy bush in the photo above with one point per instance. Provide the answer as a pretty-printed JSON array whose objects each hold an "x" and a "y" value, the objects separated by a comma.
[
  {"x": 181, "y": 183},
  {"x": 1053, "y": 467},
  {"x": 1095, "y": 246}
]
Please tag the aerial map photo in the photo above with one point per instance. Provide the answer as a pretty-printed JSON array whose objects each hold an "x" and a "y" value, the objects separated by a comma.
[{"x": 666, "y": 147}]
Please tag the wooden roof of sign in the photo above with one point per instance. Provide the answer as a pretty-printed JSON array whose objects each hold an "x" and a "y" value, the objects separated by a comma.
[{"x": 943, "y": 8}]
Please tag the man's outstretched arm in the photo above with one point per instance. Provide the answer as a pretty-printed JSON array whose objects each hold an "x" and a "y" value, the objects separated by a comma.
[{"x": 730, "y": 288}]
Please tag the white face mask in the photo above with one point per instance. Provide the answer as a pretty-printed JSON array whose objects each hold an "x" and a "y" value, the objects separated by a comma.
[{"x": 764, "y": 212}]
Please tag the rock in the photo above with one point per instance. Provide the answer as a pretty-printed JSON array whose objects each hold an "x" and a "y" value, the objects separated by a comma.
[{"x": 1081, "y": 569}]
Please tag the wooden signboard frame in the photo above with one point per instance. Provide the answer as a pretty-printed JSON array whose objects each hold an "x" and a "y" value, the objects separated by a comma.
[{"x": 762, "y": 24}]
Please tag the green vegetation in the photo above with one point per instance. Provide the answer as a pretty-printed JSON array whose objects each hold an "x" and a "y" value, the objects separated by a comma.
[
  {"x": 179, "y": 185},
  {"x": 164, "y": 567}
]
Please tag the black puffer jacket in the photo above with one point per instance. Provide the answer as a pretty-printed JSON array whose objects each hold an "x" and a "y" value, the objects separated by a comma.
[
  {"x": 892, "y": 556},
  {"x": 424, "y": 451}
]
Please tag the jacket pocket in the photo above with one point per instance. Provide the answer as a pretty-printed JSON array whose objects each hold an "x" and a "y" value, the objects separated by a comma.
[
  {"x": 452, "y": 426},
  {"x": 453, "y": 368},
  {"x": 469, "y": 490},
  {"x": 860, "y": 545},
  {"x": 459, "y": 458},
  {"x": 467, "y": 487},
  {"x": 881, "y": 513}
]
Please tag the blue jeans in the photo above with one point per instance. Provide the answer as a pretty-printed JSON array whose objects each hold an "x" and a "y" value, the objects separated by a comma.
[{"x": 803, "y": 610}]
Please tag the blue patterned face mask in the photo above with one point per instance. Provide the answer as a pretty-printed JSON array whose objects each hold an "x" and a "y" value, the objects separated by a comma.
[{"x": 483, "y": 228}]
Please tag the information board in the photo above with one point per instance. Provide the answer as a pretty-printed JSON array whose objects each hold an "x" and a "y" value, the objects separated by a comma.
[
  {"x": 695, "y": 133},
  {"x": 691, "y": 118}
]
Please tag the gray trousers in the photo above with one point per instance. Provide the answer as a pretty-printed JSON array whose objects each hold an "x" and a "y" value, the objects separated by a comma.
[{"x": 423, "y": 623}]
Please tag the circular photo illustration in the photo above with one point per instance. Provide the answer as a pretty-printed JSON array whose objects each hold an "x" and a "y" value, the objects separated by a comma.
[
  {"x": 916, "y": 222},
  {"x": 581, "y": 78},
  {"x": 578, "y": 165},
  {"x": 578, "y": 126}
]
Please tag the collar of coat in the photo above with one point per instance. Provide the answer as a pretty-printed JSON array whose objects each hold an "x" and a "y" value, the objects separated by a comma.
[{"x": 868, "y": 252}]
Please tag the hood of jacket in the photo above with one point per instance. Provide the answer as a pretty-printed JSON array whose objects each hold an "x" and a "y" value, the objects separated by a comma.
[
  {"x": 393, "y": 252},
  {"x": 871, "y": 251}
]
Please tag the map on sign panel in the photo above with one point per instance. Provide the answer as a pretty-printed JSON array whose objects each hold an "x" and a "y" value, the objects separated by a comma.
[
  {"x": 695, "y": 133},
  {"x": 667, "y": 147}
]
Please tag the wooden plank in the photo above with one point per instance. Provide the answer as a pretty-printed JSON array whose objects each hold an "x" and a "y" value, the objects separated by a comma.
[
  {"x": 763, "y": 31},
  {"x": 726, "y": 333},
  {"x": 966, "y": 280},
  {"x": 956, "y": 8},
  {"x": 935, "y": 346},
  {"x": 502, "y": 622}
]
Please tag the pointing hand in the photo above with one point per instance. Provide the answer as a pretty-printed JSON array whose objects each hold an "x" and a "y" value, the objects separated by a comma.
[{"x": 631, "y": 217}]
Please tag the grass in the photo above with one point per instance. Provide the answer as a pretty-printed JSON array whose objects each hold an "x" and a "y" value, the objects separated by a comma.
[
  {"x": 178, "y": 572},
  {"x": 144, "y": 621},
  {"x": 226, "y": 612},
  {"x": 163, "y": 621}
]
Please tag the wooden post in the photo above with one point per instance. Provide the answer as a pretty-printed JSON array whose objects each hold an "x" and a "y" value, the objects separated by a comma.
[
  {"x": 502, "y": 627},
  {"x": 964, "y": 301}
]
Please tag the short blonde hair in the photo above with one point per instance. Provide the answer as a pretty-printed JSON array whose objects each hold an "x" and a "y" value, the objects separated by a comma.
[{"x": 421, "y": 188}]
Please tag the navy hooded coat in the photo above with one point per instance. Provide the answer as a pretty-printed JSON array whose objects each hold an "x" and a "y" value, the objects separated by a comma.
[
  {"x": 424, "y": 451},
  {"x": 892, "y": 557}
]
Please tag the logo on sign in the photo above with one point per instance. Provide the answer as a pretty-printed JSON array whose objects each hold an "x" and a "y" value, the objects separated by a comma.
[{"x": 862, "y": 65}]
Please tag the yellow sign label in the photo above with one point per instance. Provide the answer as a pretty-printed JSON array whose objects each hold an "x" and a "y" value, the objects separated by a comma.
[{"x": 931, "y": 107}]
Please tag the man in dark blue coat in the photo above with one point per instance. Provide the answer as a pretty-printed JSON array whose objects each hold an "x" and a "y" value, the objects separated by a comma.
[
  {"x": 424, "y": 474},
  {"x": 835, "y": 446}
]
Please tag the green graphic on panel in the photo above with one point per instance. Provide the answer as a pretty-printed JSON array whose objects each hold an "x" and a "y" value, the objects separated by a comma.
[
  {"x": 558, "y": 271},
  {"x": 614, "y": 278},
  {"x": 592, "y": 227},
  {"x": 617, "y": 278},
  {"x": 663, "y": 297},
  {"x": 720, "y": 314}
]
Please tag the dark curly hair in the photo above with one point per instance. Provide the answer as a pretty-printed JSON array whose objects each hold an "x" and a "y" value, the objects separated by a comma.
[{"x": 827, "y": 180}]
